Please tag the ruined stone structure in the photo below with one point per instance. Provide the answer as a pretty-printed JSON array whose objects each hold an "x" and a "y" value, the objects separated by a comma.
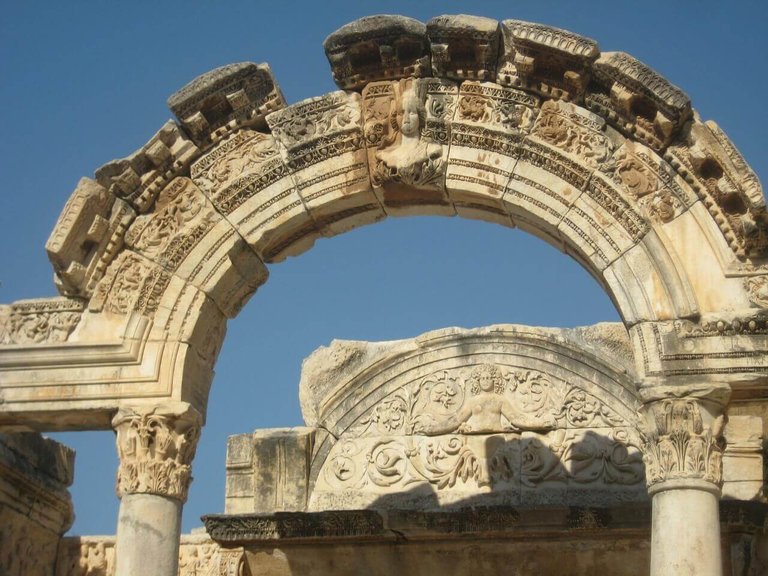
[{"x": 545, "y": 434}]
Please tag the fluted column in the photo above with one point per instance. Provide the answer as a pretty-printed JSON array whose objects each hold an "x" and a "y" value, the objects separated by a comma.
[
  {"x": 156, "y": 445},
  {"x": 682, "y": 451}
]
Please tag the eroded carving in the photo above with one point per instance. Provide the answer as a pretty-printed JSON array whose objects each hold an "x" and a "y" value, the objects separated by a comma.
[
  {"x": 130, "y": 283},
  {"x": 318, "y": 128},
  {"x": 573, "y": 130},
  {"x": 39, "y": 321},
  {"x": 180, "y": 219},
  {"x": 200, "y": 559},
  {"x": 232, "y": 160},
  {"x": 156, "y": 446},
  {"x": 757, "y": 288}
]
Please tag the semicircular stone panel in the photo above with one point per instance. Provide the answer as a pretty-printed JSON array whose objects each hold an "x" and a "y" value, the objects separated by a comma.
[{"x": 505, "y": 414}]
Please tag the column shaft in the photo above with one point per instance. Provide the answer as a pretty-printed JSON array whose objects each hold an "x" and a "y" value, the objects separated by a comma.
[
  {"x": 156, "y": 445},
  {"x": 682, "y": 451},
  {"x": 685, "y": 538},
  {"x": 148, "y": 532}
]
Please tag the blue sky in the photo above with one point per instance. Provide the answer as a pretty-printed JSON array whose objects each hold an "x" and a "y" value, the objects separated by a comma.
[{"x": 83, "y": 83}]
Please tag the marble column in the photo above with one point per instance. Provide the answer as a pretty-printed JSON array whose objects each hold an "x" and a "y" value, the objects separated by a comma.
[
  {"x": 683, "y": 450},
  {"x": 156, "y": 445}
]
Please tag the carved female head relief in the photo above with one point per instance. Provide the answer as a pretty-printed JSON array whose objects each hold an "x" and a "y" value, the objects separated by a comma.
[{"x": 487, "y": 378}]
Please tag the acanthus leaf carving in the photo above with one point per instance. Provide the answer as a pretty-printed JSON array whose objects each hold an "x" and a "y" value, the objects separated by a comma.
[
  {"x": 678, "y": 446},
  {"x": 156, "y": 446}
]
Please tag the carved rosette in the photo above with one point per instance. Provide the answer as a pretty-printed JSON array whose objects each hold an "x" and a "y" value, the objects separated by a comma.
[
  {"x": 682, "y": 443},
  {"x": 156, "y": 446}
]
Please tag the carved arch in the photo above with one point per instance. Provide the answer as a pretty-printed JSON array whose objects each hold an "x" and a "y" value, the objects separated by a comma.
[{"x": 511, "y": 122}]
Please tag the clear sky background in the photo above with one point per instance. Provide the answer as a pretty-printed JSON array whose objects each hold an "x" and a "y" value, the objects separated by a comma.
[{"x": 82, "y": 83}]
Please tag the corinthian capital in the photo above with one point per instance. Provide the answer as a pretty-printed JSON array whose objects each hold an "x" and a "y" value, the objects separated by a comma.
[
  {"x": 682, "y": 443},
  {"x": 156, "y": 445}
]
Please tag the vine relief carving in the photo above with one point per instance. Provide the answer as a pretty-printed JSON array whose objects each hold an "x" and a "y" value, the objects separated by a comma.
[
  {"x": 678, "y": 446},
  {"x": 486, "y": 428},
  {"x": 156, "y": 447}
]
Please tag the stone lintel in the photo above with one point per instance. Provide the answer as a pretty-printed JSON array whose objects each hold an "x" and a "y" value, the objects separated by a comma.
[{"x": 514, "y": 523}]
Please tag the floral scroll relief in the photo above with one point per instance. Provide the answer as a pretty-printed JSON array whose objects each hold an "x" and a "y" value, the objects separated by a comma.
[
  {"x": 487, "y": 426},
  {"x": 485, "y": 399}
]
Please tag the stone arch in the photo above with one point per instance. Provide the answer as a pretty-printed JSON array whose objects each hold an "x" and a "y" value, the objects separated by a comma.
[{"x": 512, "y": 122}]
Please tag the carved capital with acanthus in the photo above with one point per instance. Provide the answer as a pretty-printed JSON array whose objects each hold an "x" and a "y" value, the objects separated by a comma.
[
  {"x": 156, "y": 445},
  {"x": 682, "y": 443}
]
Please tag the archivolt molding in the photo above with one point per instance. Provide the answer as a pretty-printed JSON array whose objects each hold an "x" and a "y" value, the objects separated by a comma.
[{"x": 510, "y": 122}]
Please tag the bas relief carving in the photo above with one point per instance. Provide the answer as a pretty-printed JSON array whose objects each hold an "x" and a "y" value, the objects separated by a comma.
[
  {"x": 47, "y": 321},
  {"x": 95, "y": 556},
  {"x": 404, "y": 156},
  {"x": 483, "y": 429},
  {"x": 575, "y": 131}
]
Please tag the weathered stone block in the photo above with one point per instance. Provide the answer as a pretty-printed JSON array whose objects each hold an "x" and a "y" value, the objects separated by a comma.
[
  {"x": 488, "y": 125},
  {"x": 635, "y": 99},
  {"x": 383, "y": 47},
  {"x": 322, "y": 144},
  {"x": 464, "y": 47},
  {"x": 268, "y": 471},
  {"x": 234, "y": 96},
  {"x": 549, "y": 61}
]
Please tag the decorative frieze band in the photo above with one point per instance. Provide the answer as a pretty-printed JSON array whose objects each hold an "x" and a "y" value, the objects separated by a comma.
[
  {"x": 156, "y": 446},
  {"x": 682, "y": 441}
]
